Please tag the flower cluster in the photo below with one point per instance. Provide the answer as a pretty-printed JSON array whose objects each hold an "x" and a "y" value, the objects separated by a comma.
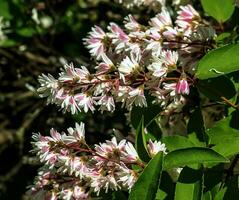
[
  {"x": 131, "y": 3},
  {"x": 74, "y": 170},
  {"x": 158, "y": 60}
]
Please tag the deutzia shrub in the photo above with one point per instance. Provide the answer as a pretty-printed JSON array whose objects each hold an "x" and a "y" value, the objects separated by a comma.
[{"x": 169, "y": 73}]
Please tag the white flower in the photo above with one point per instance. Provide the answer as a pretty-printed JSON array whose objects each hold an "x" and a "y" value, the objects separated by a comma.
[
  {"x": 95, "y": 42},
  {"x": 99, "y": 181},
  {"x": 85, "y": 101},
  {"x": 49, "y": 87},
  {"x": 109, "y": 150},
  {"x": 136, "y": 97},
  {"x": 131, "y": 154},
  {"x": 129, "y": 65},
  {"x": 73, "y": 165},
  {"x": 106, "y": 103},
  {"x": 187, "y": 17},
  {"x": 66, "y": 194},
  {"x": 122, "y": 94},
  {"x": 55, "y": 136},
  {"x": 69, "y": 102},
  {"x": 118, "y": 36},
  {"x": 78, "y": 132},
  {"x": 80, "y": 193},
  {"x": 157, "y": 68},
  {"x": 169, "y": 58},
  {"x": 131, "y": 24},
  {"x": 171, "y": 33},
  {"x": 170, "y": 88},
  {"x": 161, "y": 21},
  {"x": 106, "y": 65},
  {"x": 70, "y": 73},
  {"x": 127, "y": 177},
  {"x": 155, "y": 147}
]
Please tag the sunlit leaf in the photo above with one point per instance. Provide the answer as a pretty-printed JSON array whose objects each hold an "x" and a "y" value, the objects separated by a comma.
[
  {"x": 189, "y": 185},
  {"x": 193, "y": 155},
  {"x": 140, "y": 143},
  {"x": 218, "y": 62},
  {"x": 147, "y": 184},
  {"x": 221, "y": 10},
  {"x": 177, "y": 142}
]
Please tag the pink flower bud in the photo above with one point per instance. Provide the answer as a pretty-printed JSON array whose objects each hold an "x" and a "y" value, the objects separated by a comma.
[{"x": 182, "y": 87}]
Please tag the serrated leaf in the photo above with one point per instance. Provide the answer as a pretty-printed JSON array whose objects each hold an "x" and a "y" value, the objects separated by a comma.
[
  {"x": 189, "y": 185},
  {"x": 218, "y": 62},
  {"x": 147, "y": 184},
  {"x": 221, "y": 10},
  {"x": 140, "y": 143},
  {"x": 193, "y": 155}
]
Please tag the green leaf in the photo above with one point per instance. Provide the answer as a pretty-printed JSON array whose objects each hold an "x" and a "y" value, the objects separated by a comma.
[
  {"x": 225, "y": 137},
  {"x": 26, "y": 31},
  {"x": 160, "y": 195},
  {"x": 212, "y": 88},
  {"x": 177, "y": 142},
  {"x": 192, "y": 137},
  {"x": 220, "y": 194},
  {"x": 207, "y": 196},
  {"x": 140, "y": 143},
  {"x": 5, "y": 9},
  {"x": 221, "y": 10},
  {"x": 220, "y": 61},
  {"x": 153, "y": 131},
  {"x": 222, "y": 131},
  {"x": 212, "y": 179},
  {"x": 223, "y": 36},
  {"x": 7, "y": 43},
  {"x": 189, "y": 185},
  {"x": 166, "y": 187},
  {"x": 232, "y": 191},
  {"x": 193, "y": 155},
  {"x": 147, "y": 184},
  {"x": 196, "y": 125},
  {"x": 228, "y": 147},
  {"x": 149, "y": 113}
]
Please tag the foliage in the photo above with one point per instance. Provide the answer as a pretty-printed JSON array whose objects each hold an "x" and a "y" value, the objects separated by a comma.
[{"x": 172, "y": 69}]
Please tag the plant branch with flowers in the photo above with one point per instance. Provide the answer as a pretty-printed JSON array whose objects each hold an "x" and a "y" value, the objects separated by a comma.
[{"x": 170, "y": 62}]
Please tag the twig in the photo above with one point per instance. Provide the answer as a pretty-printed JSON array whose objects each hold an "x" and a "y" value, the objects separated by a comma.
[{"x": 230, "y": 103}]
